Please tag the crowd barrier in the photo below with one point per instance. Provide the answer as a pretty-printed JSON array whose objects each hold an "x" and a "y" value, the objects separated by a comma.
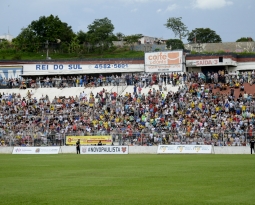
[
  {"x": 126, "y": 150},
  {"x": 185, "y": 149},
  {"x": 36, "y": 150},
  {"x": 104, "y": 149}
]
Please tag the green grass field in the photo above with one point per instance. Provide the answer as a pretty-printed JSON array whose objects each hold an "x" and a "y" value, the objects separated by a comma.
[{"x": 127, "y": 179}]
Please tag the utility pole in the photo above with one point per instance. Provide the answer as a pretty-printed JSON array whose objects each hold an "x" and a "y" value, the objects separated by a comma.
[{"x": 47, "y": 47}]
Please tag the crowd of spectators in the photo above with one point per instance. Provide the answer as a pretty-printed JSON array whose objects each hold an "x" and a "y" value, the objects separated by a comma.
[
  {"x": 198, "y": 113},
  {"x": 221, "y": 79}
]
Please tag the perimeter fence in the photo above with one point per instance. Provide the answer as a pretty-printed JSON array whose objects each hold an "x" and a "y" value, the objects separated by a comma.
[{"x": 220, "y": 138}]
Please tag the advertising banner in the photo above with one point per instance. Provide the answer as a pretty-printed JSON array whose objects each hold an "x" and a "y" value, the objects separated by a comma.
[
  {"x": 210, "y": 62},
  {"x": 170, "y": 61},
  {"x": 104, "y": 149},
  {"x": 10, "y": 72},
  {"x": 104, "y": 67},
  {"x": 89, "y": 140},
  {"x": 35, "y": 150},
  {"x": 184, "y": 149}
]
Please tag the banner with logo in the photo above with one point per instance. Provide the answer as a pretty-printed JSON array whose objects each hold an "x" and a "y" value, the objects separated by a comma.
[
  {"x": 170, "y": 61},
  {"x": 89, "y": 140},
  {"x": 35, "y": 150},
  {"x": 7, "y": 72},
  {"x": 104, "y": 149},
  {"x": 184, "y": 149},
  {"x": 94, "y": 67}
]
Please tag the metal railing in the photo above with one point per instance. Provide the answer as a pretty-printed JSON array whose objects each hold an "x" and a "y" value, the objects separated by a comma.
[{"x": 137, "y": 138}]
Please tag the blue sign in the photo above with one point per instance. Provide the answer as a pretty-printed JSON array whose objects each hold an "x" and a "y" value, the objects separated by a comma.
[
  {"x": 10, "y": 72},
  {"x": 57, "y": 67},
  {"x": 108, "y": 66}
]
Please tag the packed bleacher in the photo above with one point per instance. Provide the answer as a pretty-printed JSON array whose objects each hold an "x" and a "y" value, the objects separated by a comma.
[{"x": 204, "y": 110}]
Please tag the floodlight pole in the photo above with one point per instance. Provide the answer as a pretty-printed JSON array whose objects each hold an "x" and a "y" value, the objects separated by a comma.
[{"x": 47, "y": 47}]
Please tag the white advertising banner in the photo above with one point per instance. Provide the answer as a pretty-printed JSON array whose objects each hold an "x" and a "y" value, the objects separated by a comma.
[
  {"x": 51, "y": 69},
  {"x": 170, "y": 61},
  {"x": 184, "y": 149},
  {"x": 35, "y": 150},
  {"x": 10, "y": 72},
  {"x": 210, "y": 62},
  {"x": 104, "y": 149}
]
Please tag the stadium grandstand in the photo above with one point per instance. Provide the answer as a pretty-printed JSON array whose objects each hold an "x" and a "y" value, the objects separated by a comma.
[
  {"x": 164, "y": 98},
  {"x": 135, "y": 109}
]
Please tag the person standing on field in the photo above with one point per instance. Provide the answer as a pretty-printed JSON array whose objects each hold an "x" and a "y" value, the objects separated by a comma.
[
  {"x": 252, "y": 144},
  {"x": 78, "y": 146},
  {"x": 99, "y": 143}
]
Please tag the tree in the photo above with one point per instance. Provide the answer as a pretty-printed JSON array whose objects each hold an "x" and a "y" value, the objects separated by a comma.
[
  {"x": 245, "y": 39},
  {"x": 74, "y": 45},
  {"x": 82, "y": 37},
  {"x": 4, "y": 44},
  {"x": 49, "y": 28},
  {"x": 27, "y": 40},
  {"x": 100, "y": 33},
  {"x": 203, "y": 35},
  {"x": 120, "y": 36},
  {"x": 176, "y": 25},
  {"x": 174, "y": 44},
  {"x": 132, "y": 39}
]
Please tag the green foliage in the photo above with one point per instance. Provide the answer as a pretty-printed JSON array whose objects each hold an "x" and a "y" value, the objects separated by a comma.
[
  {"x": 74, "y": 46},
  {"x": 61, "y": 38},
  {"x": 177, "y": 26},
  {"x": 132, "y": 40},
  {"x": 64, "y": 47},
  {"x": 174, "y": 44},
  {"x": 131, "y": 179},
  {"x": 49, "y": 28},
  {"x": 82, "y": 37},
  {"x": 4, "y": 44},
  {"x": 100, "y": 33},
  {"x": 245, "y": 39},
  {"x": 203, "y": 35},
  {"x": 17, "y": 56},
  {"x": 9, "y": 51},
  {"x": 112, "y": 49},
  {"x": 120, "y": 36},
  {"x": 112, "y": 52},
  {"x": 27, "y": 40}
]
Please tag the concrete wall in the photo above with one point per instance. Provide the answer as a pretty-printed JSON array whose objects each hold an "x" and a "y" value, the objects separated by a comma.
[
  {"x": 150, "y": 47},
  {"x": 67, "y": 150},
  {"x": 52, "y": 92},
  {"x": 237, "y": 47},
  {"x": 6, "y": 150},
  {"x": 132, "y": 150},
  {"x": 143, "y": 149},
  {"x": 232, "y": 150},
  {"x": 119, "y": 43},
  {"x": 146, "y": 150}
]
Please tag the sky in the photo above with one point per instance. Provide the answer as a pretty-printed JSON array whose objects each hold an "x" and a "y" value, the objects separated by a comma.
[{"x": 231, "y": 19}]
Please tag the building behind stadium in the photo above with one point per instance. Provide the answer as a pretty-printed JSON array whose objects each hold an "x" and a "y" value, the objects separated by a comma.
[{"x": 211, "y": 57}]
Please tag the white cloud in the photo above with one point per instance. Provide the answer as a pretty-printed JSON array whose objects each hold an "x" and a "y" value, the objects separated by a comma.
[
  {"x": 159, "y": 10},
  {"x": 211, "y": 4},
  {"x": 171, "y": 7},
  {"x": 134, "y": 10}
]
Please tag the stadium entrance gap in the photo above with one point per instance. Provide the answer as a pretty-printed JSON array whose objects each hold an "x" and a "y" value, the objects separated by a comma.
[{"x": 211, "y": 69}]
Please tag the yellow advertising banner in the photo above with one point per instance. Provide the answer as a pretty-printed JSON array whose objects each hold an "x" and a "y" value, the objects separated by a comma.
[{"x": 89, "y": 140}]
